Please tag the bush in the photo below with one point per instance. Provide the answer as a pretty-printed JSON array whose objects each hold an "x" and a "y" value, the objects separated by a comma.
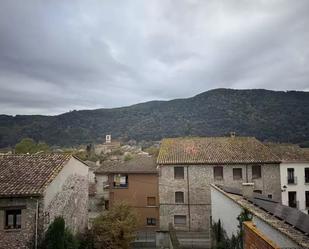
[
  {"x": 59, "y": 237},
  {"x": 28, "y": 145},
  {"x": 115, "y": 229}
]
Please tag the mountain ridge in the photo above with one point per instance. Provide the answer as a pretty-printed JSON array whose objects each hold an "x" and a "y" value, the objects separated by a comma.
[{"x": 281, "y": 116}]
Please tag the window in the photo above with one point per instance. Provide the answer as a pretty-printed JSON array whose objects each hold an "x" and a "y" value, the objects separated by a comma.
[
  {"x": 180, "y": 220},
  {"x": 257, "y": 191},
  {"x": 291, "y": 177},
  {"x": 106, "y": 204},
  {"x": 270, "y": 196},
  {"x": 151, "y": 221},
  {"x": 218, "y": 173},
  {"x": 292, "y": 199},
  {"x": 13, "y": 219},
  {"x": 179, "y": 197},
  {"x": 120, "y": 181},
  {"x": 151, "y": 201},
  {"x": 179, "y": 172},
  {"x": 306, "y": 175},
  {"x": 256, "y": 171},
  {"x": 307, "y": 199},
  {"x": 237, "y": 173}
]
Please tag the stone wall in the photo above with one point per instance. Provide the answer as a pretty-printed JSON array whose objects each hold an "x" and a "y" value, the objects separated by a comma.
[
  {"x": 71, "y": 203},
  {"x": 196, "y": 206},
  {"x": 25, "y": 236},
  {"x": 197, "y": 201}
]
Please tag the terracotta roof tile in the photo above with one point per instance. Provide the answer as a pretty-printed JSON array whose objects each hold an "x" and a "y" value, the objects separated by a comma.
[
  {"x": 289, "y": 152},
  {"x": 139, "y": 164},
  {"x": 214, "y": 150},
  {"x": 22, "y": 175}
]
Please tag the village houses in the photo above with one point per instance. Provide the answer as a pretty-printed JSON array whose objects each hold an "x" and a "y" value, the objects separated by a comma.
[
  {"x": 187, "y": 167},
  {"x": 294, "y": 171},
  {"x": 133, "y": 181},
  {"x": 34, "y": 189}
]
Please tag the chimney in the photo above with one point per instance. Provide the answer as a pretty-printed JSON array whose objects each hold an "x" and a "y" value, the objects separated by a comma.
[
  {"x": 233, "y": 134},
  {"x": 247, "y": 189}
]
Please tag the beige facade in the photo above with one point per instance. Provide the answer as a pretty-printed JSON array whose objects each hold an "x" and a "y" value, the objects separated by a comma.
[
  {"x": 66, "y": 195},
  {"x": 195, "y": 186}
]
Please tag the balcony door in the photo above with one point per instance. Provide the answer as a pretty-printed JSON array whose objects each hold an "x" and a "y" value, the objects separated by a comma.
[
  {"x": 291, "y": 177},
  {"x": 292, "y": 199}
]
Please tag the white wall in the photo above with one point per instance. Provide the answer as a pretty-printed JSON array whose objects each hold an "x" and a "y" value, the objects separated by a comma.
[
  {"x": 73, "y": 167},
  {"x": 300, "y": 187},
  {"x": 227, "y": 210}
]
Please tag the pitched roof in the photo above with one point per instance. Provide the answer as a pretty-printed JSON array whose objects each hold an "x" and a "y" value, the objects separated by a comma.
[
  {"x": 290, "y": 221},
  {"x": 29, "y": 175},
  {"x": 289, "y": 152},
  {"x": 214, "y": 150},
  {"x": 139, "y": 164}
]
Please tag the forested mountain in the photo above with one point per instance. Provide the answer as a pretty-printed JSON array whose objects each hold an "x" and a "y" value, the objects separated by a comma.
[{"x": 267, "y": 115}]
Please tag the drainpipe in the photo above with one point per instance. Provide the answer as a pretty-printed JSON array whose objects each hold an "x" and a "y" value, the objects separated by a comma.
[
  {"x": 36, "y": 224},
  {"x": 246, "y": 172},
  {"x": 189, "y": 211}
]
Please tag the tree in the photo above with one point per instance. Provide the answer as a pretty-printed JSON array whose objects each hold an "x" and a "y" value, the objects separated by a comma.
[
  {"x": 58, "y": 236},
  {"x": 55, "y": 237},
  {"x": 28, "y": 145},
  {"x": 115, "y": 229}
]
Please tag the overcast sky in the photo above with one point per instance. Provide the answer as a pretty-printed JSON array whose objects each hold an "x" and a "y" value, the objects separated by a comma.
[{"x": 57, "y": 56}]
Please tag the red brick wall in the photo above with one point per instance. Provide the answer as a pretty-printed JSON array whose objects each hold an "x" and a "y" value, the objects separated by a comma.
[{"x": 254, "y": 239}]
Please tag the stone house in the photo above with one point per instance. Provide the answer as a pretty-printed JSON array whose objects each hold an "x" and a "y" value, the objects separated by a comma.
[
  {"x": 34, "y": 189},
  {"x": 135, "y": 182},
  {"x": 187, "y": 167},
  {"x": 294, "y": 171}
]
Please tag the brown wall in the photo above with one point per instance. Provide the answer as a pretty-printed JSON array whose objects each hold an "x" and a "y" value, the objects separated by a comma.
[
  {"x": 140, "y": 186},
  {"x": 254, "y": 239}
]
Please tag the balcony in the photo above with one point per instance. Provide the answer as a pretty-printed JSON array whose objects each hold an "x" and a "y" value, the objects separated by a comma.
[
  {"x": 293, "y": 204},
  {"x": 292, "y": 180}
]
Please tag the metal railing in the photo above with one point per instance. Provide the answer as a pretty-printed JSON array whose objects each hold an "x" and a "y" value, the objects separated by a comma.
[{"x": 292, "y": 180}]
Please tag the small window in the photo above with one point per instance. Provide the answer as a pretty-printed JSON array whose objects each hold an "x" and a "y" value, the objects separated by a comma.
[
  {"x": 151, "y": 221},
  {"x": 151, "y": 201},
  {"x": 179, "y": 172},
  {"x": 270, "y": 196},
  {"x": 306, "y": 175},
  {"x": 180, "y": 220},
  {"x": 256, "y": 171},
  {"x": 120, "y": 181},
  {"x": 237, "y": 173},
  {"x": 218, "y": 173},
  {"x": 13, "y": 219},
  {"x": 179, "y": 197}
]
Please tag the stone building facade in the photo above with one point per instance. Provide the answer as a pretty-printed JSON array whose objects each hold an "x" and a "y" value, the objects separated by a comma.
[
  {"x": 187, "y": 167},
  {"x": 35, "y": 190}
]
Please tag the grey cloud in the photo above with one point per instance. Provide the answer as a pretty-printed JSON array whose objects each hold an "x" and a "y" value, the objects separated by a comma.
[{"x": 57, "y": 56}]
